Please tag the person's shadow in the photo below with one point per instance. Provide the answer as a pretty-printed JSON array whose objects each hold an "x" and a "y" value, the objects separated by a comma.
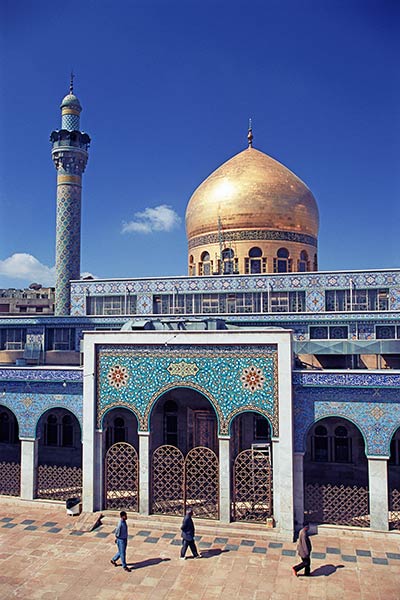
[
  {"x": 326, "y": 570},
  {"x": 213, "y": 552},
  {"x": 149, "y": 562}
]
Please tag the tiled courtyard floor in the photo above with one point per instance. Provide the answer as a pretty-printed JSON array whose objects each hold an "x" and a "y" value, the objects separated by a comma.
[{"x": 43, "y": 556}]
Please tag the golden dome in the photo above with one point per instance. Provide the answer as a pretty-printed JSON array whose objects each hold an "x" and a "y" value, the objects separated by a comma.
[{"x": 252, "y": 191}]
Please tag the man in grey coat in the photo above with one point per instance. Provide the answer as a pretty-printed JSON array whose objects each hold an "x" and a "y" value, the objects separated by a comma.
[
  {"x": 121, "y": 539},
  {"x": 304, "y": 548}
]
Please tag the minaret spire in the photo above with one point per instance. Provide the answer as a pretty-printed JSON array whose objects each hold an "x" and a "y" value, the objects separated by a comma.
[
  {"x": 70, "y": 154},
  {"x": 250, "y": 135}
]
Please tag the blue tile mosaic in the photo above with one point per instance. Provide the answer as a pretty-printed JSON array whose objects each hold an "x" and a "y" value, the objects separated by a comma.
[{"x": 234, "y": 380}]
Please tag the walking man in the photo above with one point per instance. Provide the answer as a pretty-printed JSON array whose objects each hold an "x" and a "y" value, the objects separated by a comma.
[
  {"x": 187, "y": 535},
  {"x": 121, "y": 539},
  {"x": 304, "y": 548}
]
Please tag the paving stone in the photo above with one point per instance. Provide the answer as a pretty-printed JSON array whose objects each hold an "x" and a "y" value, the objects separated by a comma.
[
  {"x": 259, "y": 550},
  {"x": 6, "y": 519},
  {"x": 220, "y": 540},
  {"x": 247, "y": 543},
  {"x": 363, "y": 552},
  {"x": 143, "y": 533},
  {"x": 176, "y": 542},
  {"x": 275, "y": 545},
  {"x": 152, "y": 540},
  {"x": 379, "y": 561},
  {"x": 54, "y": 530},
  {"x": 232, "y": 547},
  {"x": 49, "y": 524},
  {"x": 9, "y": 525},
  {"x": 205, "y": 545},
  {"x": 286, "y": 552},
  {"x": 102, "y": 534},
  {"x": 330, "y": 550},
  {"x": 349, "y": 558},
  {"x": 393, "y": 555},
  {"x": 318, "y": 555},
  {"x": 27, "y": 522},
  {"x": 30, "y": 528},
  {"x": 168, "y": 536}
]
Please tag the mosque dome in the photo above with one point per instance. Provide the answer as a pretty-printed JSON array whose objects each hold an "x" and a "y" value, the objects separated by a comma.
[
  {"x": 252, "y": 191},
  {"x": 252, "y": 207},
  {"x": 70, "y": 100}
]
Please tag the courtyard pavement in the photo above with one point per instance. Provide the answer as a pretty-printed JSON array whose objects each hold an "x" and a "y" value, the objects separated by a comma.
[{"x": 45, "y": 554}]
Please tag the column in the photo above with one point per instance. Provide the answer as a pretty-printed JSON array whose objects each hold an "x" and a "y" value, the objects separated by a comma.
[
  {"x": 378, "y": 492},
  {"x": 29, "y": 463},
  {"x": 144, "y": 472},
  {"x": 224, "y": 479},
  {"x": 91, "y": 497},
  {"x": 298, "y": 488}
]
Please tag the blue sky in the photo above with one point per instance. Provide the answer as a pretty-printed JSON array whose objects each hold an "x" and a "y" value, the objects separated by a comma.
[{"x": 167, "y": 88}]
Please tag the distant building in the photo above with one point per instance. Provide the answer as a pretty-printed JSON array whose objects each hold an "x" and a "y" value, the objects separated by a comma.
[{"x": 256, "y": 388}]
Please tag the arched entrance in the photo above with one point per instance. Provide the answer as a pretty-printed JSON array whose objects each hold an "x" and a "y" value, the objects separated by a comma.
[
  {"x": 10, "y": 454},
  {"x": 251, "y": 468},
  {"x": 121, "y": 465},
  {"x": 184, "y": 447},
  {"x": 336, "y": 474},
  {"x": 394, "y": 481},
  {"x": 59, "y": 474}
]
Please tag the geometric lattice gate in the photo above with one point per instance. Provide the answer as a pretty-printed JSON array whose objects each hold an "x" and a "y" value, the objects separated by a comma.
[
  {"x": 394, "y": 509},
  {"x": 10, "y": 475},
  {"x": 180, "y": 483},
  {"x": 337, "y": 504},
  {"x": 252, "y": 486},
  {"x": 121, "y": 478},
  {"x": 167, "y": 484},
  {"x": 58, "y": 482},
  {"x": 202, "y": 482}
]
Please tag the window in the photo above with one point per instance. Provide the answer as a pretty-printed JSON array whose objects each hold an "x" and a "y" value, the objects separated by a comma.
[
  {"x": 60, "y": 339},
  {"x": 255, "y": 263},
  {"x": 395, "y": 450},
  {"x": 13, "y": 339},
  {"x": 171, "y": 423},
  {"x": 356, "y": 299},
  {"x": 51, "y": 431},
  {"x": 67, "y": 431},
  {"x": 8, "y": 428},
  {"x": 192, "y": 266},
  {"x": 329, "y": 445},
  {"x": 228, "y": 261},
  {"x": 205, "y": 266},
  {"x": 303, "y": 264},
  {"x": 320, "y": 444},
  {"x": 318, "y": 333},
  {"x": 342, "y": 445},
  {"x": 119, "y": 430},
  {"x": 338, "y": 332},
  {"x": 261, "y": 429},
  {"x": 385, "y": 332},
  {"x": 282, "y": 264}
]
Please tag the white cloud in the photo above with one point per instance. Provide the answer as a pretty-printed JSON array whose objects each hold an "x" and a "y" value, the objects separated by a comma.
[
  {"x": 25, "y": 266},
  {"x": 159, "y": 218}
]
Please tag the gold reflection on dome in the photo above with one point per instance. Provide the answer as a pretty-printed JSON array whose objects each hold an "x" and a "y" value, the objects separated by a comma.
[{"x": 252, "y": 191}]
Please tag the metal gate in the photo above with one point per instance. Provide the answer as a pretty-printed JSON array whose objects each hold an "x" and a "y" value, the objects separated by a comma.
[
  {"x": 394, "y": 509},
  {"x": 58, "y": 482},
  {"x": 252, "y": 486},
  {"x": 179, "y": 483},
  {"x": 10, "y": 476},
  {"x": 202, "y": 482},
  {"x": 121, "y": 477},
  {"x": 337, "y": 504},
  {"x": 168, "y": 481}
]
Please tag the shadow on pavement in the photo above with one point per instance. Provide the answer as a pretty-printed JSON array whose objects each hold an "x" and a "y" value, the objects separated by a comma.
[
  {"x": 326, "y": 570},
  {"x": 149, "y": 562},
  {"x": 213, "y": 552}
]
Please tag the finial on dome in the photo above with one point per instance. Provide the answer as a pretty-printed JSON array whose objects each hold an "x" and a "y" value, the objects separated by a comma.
[
  {"x": 71, "y": 83},
  {"x": 250, "y": 135}
]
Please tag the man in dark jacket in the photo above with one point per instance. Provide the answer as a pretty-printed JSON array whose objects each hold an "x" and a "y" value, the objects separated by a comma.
[
  {"x": 187, "y": 535},
  {"x": 304, "y": 548}
]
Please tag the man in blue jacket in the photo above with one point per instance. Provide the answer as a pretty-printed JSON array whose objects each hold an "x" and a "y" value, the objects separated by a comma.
[
  {"x": 121, "y": 539},
  {"x": 187, "y": 535}
]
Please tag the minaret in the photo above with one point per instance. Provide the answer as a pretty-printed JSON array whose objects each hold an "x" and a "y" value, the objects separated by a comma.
[{"x": 69, "y": 154}]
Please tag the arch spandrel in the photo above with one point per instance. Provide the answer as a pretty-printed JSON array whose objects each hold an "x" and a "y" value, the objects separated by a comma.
[
  {"x": 375, "y": 414},
  {"x": 232, "y": 378}
]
